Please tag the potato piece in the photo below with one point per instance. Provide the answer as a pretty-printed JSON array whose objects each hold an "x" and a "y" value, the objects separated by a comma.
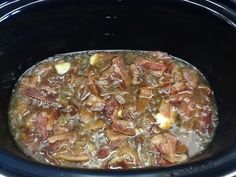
[
  {"x": 119, "y": 113},
  {"x": 62, "y": 67},
  {"x": 166, "y": 116},
  {"x": 163, "y": 122},
  {"x": 94, "y": 59}
]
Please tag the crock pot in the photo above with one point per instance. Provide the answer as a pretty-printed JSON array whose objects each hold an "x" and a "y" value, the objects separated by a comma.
[{"x": 200, "y": 31}]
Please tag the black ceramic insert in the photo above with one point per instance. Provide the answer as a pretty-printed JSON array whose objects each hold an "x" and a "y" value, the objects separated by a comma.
[{"x": 200, "y": 32}]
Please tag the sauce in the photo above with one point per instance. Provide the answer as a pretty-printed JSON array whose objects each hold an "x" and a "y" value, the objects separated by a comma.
[{"x": 112, "y": 109}]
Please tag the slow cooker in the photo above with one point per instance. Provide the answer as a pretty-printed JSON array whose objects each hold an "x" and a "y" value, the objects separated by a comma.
[{"x": 202, "y": 32}]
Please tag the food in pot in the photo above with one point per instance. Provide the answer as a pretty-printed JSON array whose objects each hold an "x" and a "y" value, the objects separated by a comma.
[{"x": 112, "y": 109}]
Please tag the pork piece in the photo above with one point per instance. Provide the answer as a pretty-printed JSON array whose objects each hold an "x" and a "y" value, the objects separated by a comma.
[
  {"x": 206, "y": 120},
  {"x": 103, "y": 153},
  {"x": 71, "y": 136},
  {"x": 42, "y": 69},
  {"x": 180, "y": 96},
  {"x": 58, "y": 129},
  {"x": 142, "y": 104},
  {"x": 53, "y": 147},
  {"x": 95, "y": 103},
  {"x": 39, "y": 121},
  {"x": 150, "y": 65},
  {"x": 52, "y": 116},
  {"x": 73, "y": 156},
  {"x": 123, "y": 126},
  {"x": 146, "y": 92},
  {"x": 125, "y": 157},
  {"x": 205, "y": 90},
  {"x": 187, "y": 108},
  {"x": 92, "y": 86},
  {"x": 115, "y": 139},
  {"x": 192, "y": 77},
  {"x": 135, "y": 72},
  {"x": 111, "y": 109},
  {"x": 54, "y": 82},
  {"x": 29, "y": 81},
  {"x": 166, "y": 144},
  {"x": 144, "y": 99},
  {"x": 92, "y": 82},
  {"x": 122, "y": 69},
  {"x": 29, "y": 139},
  {"x": 160, "y": 55},
  {"x": 43, "y": 121},
  {"x": 50, "y": 158},
  {"x": 39, "y": 94}
]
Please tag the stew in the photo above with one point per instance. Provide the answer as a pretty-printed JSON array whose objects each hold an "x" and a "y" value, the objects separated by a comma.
[{"x": 112, "y": 109}]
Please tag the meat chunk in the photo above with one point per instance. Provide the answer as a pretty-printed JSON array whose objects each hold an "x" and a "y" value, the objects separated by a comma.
[
  {"x": 205, "y": 120},
  {"x": 52, "y": 116},
  {"x": 111, "y": 109},
  {"x": 115, "y": 139},
  {"x": 103, "y": 153},
  {"x": 144, "y": 99},
  {"x": 160, "y": 55},
  {"x": 145, "y": 92},
  {"x": 123, "y": 127},
  {"x": 135, "y": 73},
  {"x": 166, "y": 144},
  {"x": 187, "y": 108},
  {"x": 191, "y": 76},
  {"x": 150, "y": 65},
  {"x": 125, "y": 157},
  {"x": 122, "y": 69},
  {"x": 180, "y": 96},
  {"x": 39, "y": 121},
  {"x": 142, "y": 104},
  {"x": 71, "y": 136},
  {"x": 38, "y": 94},
  {"x": 95, "y": 103},
  {"x": 73, "y": 156}
]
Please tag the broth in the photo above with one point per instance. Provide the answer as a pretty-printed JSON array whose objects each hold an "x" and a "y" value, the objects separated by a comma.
[{"x": 112, "y": 109}]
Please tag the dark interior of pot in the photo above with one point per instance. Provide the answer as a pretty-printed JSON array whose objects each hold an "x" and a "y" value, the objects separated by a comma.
[{"x": 183, "y": 30}]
